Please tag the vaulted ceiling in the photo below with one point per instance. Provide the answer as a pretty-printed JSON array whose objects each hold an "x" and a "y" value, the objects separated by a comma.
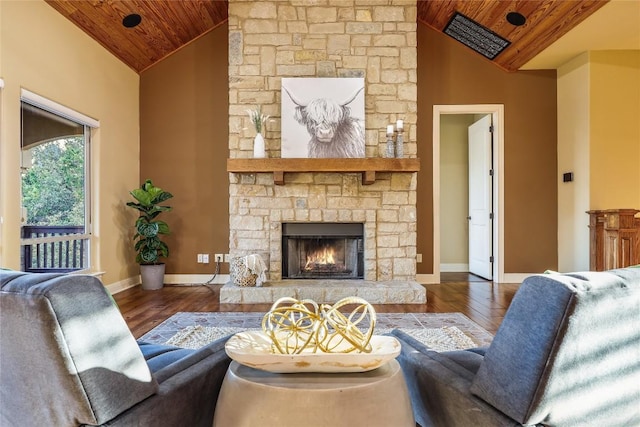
[{"x": 167, "y": 25}]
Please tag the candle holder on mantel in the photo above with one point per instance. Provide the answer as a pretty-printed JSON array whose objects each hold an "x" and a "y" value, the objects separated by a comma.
[
  {"x": 399, "y": 144},
  {"x": 390, "y": 147},
  {"x": 390, "y": 152}
]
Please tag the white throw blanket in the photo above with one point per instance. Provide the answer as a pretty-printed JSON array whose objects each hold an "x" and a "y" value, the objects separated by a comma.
[{"x": 256, "y": 265}]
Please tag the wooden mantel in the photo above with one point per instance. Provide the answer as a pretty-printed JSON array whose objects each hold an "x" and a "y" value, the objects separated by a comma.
[{"x": 367, "y": 166}]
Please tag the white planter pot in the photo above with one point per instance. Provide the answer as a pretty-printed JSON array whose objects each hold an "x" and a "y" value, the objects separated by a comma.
[
  {"x": 152, "y": 276},
  {"x": 258, "y": 147}
]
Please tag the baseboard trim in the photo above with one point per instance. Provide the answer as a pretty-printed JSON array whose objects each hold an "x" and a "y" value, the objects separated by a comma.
[
  {"x": 454, "y": 268},
  {"x": 427, "y": 279},
  {"x": 195, "y": 279},
  {"x": 170, "y": 279},
  {"x": 221, "y": 279},
  {"x": 515, "y": 277},
  {"x": 120, "y": 286}
]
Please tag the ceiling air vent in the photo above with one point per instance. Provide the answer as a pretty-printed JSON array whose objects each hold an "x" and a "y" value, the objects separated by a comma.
[{"x": 473, "y": 35}]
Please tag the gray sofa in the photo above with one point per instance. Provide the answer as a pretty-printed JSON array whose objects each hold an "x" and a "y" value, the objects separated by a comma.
[
  {"x": 67, "y": 358},
  {"x": 566, "y": 354}
]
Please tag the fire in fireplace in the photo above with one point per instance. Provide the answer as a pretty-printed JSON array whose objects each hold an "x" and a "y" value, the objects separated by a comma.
[{"x": 322, "y": 250}]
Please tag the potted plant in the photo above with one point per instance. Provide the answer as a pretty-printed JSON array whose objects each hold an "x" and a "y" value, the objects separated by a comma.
[{"x": 148, "y": 245}]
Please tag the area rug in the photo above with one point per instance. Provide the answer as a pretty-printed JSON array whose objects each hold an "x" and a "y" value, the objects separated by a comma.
[
  {"x": 446, "y": 338},
  {"x": 442, "y": 331}
]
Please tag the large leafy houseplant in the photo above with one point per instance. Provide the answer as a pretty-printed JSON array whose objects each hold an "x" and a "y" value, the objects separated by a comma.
[{"x": 148, "y": 245}]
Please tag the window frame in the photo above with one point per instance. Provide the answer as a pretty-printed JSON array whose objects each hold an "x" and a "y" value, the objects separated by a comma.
[{"x": 89, "y": 124}]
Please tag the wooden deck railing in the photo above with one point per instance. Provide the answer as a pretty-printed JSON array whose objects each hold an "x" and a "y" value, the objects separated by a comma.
[{"x": 64, "y": 256}]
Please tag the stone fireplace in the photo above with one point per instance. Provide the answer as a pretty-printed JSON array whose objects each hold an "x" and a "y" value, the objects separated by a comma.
[{"x": 269, "y": 40}]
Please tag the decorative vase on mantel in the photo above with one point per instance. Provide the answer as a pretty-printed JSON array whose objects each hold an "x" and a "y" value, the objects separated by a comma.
[
  {"x": 258, "y": 147},
  {"x": 259, "y": 122}
]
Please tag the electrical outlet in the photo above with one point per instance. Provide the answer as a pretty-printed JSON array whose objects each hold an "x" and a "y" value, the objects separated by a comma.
[
  {"x": 205, "y": 258},
  {"x": 227, "y": 258},
  {"x": 219, "y": 258},
  {"x": 419, "y": 258},
  {"x": 199, "y": 258}
]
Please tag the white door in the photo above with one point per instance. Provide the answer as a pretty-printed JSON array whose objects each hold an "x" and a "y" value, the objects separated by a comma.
[{"x": 480, "y": 200}]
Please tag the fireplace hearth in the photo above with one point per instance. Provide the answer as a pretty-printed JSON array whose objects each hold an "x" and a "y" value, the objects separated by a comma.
[{"x": 322, "y": 251}]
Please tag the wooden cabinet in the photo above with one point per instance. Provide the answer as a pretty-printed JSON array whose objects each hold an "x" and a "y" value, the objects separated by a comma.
[{"x": 614, "y": 236}]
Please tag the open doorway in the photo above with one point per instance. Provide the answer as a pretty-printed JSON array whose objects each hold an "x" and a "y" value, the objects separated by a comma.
[
  {"x": 459, "y": 216},
  {"x": 466, "y": 243}
]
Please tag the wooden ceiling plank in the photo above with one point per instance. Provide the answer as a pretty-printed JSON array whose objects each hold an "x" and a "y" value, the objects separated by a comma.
[
  {"x": 221, "y": 7},
  {"x": 146, "y": 38},
  {"x": 65, "y": 8},
  {"x": 481, "y": 11},
  {"x": 220, "y": 11},
  {"x": 154, "y": 25},
  {"x": 543, "y": 8},
  {"x": 495, "y": 18},
  {"x": 168, "y": 25},
  {"x": 512, "y": 32},
  {"x": 437, "y": 14},
  {"x": 562, "y": 17},
  {"x": 179, "y": 29},
  {"x": 205, "y": 13},
  {"x": 445, "y": 13},
  {"x": 97, "y": 22}
]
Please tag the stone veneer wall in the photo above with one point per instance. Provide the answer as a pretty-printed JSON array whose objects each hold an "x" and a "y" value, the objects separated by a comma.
[{"x": 373, "y": 39}]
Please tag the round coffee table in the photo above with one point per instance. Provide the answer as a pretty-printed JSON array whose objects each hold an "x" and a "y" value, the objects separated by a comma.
[{"x": 251, "y": 397}]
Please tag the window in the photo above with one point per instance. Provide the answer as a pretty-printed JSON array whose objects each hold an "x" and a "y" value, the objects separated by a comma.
[{"x": 56, "y": 226}]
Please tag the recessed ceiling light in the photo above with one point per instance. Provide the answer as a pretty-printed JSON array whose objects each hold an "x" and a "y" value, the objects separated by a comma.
[
  {"x": 515, "y": 18},
  {"x": 131, "y": 20}
]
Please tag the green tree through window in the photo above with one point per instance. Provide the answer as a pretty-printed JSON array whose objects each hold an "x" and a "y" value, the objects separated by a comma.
[
  {"x": 53, "y": 187},
  {"x": 55, "y": 227}
]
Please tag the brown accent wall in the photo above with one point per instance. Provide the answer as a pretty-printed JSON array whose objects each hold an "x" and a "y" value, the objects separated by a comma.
[
  {"x": 184, "y": 147},
  {"x": 450, "y": 74},
  {"x": 184, "y": 110}
]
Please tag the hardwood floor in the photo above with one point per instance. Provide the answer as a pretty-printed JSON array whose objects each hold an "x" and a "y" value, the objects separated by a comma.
[{"x": 482, "y": 301}]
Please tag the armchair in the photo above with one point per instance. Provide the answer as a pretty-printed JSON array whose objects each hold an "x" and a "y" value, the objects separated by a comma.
[
  {"x": 68, "y": 358},
  {"x": 566, "y": 354}
]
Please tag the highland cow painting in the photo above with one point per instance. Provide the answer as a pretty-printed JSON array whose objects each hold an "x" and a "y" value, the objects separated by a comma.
[{"x": 322, "y": 117}]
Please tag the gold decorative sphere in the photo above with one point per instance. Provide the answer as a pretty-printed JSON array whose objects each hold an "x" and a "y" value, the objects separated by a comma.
[{"x": 295, "y": 326}]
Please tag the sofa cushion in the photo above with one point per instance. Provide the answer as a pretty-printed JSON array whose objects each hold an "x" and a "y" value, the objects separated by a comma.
[
  {"x": 439, "y": 383},
  {"x": 567, "y": 351},
  {"x": 160, "y": 356},
  {"x": 65, "y": 342}
]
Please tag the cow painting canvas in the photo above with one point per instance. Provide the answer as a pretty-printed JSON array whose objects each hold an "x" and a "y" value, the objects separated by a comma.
[{"x": 322, "y": 117}]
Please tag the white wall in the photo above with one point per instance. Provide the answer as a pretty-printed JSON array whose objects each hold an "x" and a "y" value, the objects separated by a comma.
[
  {"x": 454, "y": 191},
  {"x": 573, "y": 156}
]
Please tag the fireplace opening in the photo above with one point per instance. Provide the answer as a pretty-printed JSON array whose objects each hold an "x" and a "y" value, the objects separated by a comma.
[{"x": 322, "y": 250}]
